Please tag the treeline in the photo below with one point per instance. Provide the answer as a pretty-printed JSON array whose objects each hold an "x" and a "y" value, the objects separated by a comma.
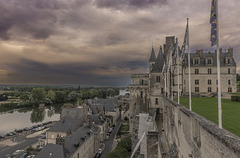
[{"x": 30, "y": 96}]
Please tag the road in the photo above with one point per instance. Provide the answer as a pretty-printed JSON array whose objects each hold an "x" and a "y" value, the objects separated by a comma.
[
  {"x": 22, "y": 144},
  {"x": 108, "y": 143}
]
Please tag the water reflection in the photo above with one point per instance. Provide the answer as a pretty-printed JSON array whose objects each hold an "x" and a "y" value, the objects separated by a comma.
[
  {"x": 26, "y": 117},
  {"x": 37, "y": 115}
]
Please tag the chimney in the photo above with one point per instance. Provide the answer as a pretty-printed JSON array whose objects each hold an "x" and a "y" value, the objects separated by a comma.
[
  {"x": 90, "y": 122},
  {"x": 97, "y": 110},
  {"x": 230, "y": 50},
  {"x": 68, "y": 132}
]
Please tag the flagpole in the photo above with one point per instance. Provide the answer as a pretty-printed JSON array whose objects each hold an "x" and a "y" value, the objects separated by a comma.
[
  {"x": 171, "y": 79},
  {"x": 178, "y": 72},
  {"x": 218, "y": 73},
  {"x": 189, "y": 75},
  {"x": 165, "y": 86}
]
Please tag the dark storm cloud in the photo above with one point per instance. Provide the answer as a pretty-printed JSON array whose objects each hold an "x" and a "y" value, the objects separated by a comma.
[
  {"x": 100, "y": 42},
  {"x": 120, "y": 4},
  {"x": 32, "y": 72}
]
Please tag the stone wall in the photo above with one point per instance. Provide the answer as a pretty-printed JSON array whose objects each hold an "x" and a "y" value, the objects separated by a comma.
[{"x": 195, "y": 136}]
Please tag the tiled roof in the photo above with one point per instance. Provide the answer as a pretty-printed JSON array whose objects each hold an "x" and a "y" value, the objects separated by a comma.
[
  {"x": 77, "y": 113},
  {"x": 108, "y": 104},
  {"x": 75, "y": 140},
  {"x": 66, "y": 124},
  {"x": 51, "y": 150}
]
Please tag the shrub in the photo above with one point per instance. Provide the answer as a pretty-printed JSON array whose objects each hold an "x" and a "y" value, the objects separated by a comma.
[{"x": 234, "y": 98}]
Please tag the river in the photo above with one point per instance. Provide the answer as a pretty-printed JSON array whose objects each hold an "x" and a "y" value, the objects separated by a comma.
[{"x": 26, "y": 117}]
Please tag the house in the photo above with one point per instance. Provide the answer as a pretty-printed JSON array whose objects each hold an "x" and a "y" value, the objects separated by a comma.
[
  {"x": 83, "y": 143},
  {"x": 63, "y": 128}
]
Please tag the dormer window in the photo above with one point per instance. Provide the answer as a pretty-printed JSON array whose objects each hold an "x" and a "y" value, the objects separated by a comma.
[
  {"x": 196, "y": 61},
  {"x": 209, "y": 61},
  {"x": 228, "y": 61}
]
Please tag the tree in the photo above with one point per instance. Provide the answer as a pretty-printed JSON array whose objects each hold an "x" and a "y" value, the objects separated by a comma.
[
  {"x": 93, "y": 93},
  {"x": 73, "y": 96},
  {"x": 60, "y": 96},
  {"x": 51, "y": 95},
  {"x": 24, "y": 97},
  {"x": 38, "y": 94},
  {"x": 123, "y": 149},
  {"x": 238, "y": 77}
]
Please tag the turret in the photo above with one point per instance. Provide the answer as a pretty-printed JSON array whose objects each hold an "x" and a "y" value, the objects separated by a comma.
[{"x": 152, "y": 59}]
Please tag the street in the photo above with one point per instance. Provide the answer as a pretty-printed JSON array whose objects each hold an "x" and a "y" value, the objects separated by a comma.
[{"x": 108, "y": 143}]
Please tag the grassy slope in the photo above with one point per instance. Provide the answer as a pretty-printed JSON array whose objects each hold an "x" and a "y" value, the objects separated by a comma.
[{"x": 208, "y": 108}]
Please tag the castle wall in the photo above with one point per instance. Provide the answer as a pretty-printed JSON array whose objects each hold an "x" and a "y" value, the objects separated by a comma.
[
  {"x": 203, "y": 78},
  {"x": 195, "y": 136}
]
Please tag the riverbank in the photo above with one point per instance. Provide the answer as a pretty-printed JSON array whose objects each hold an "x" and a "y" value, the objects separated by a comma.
[{"x": 16, "y": 119}]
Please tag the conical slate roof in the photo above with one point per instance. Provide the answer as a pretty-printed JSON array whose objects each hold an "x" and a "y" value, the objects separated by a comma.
[
  {"x": 159, "y": 62},
  {"x": 153, "y": 56}
]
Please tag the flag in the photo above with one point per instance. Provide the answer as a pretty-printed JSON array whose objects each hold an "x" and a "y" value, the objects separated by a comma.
[
  {"x": 213, "y": 22},
  {"x": 186, "y": 37},
  {"x": 163, "y": 70}
]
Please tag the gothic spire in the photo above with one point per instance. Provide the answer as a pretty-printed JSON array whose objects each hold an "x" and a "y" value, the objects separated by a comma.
[
  {"x": 160, "y": 54},
  {"x": 153, "y": 56}
]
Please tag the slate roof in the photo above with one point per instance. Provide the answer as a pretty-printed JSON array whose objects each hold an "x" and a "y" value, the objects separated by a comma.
[
  {"x": 65, "y": 124},
  {"x": 108, "y": 104},
  {"x": 96, "y": 119},
  {"x": 153, "y": 56},
  {"x": 55, "y": 150},
  {"x": 77, "y": 113},
  {"x": 158, "y": 66},
  {"x": 76, "y": 139},
  {"x": 214, "y": 55}
]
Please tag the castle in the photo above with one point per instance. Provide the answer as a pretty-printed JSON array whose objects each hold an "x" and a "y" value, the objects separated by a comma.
[{"x": 152, "y": 93}]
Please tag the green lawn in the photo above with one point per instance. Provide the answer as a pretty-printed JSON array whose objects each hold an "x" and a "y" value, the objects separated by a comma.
[{"x": 208, "y": 108}]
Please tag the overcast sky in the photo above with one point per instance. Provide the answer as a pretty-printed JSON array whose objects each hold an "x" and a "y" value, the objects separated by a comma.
[{"x": 101, "y": 42}]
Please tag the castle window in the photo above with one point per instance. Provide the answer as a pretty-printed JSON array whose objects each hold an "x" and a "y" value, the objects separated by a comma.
[
  {"x": 196, "y": 89},
  {"x": 141, "y": 94},
  {"x": 228, "y": 70},
  {"x": 209, "y": 71},
  {"x": 229, "y": 89},
  {"x": 229, "y": 82},
  {"x": 209, "y": 82},
  {"x": 209, "y": 61},
  {"x": 216, "y": 82},
  {"x": 196, "y": 71},
  {"x": 196, "y": 61},
  {"x": 228, "y": 61},
  {"x": 209, "y": 89},
  {"x": 141, "y": 82},
  {"x": 196, "y": 82},
  {"x": 156, "y": 101},
  {"x": 157, "y": 78},
  {"x": 161, "y": 90}
]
